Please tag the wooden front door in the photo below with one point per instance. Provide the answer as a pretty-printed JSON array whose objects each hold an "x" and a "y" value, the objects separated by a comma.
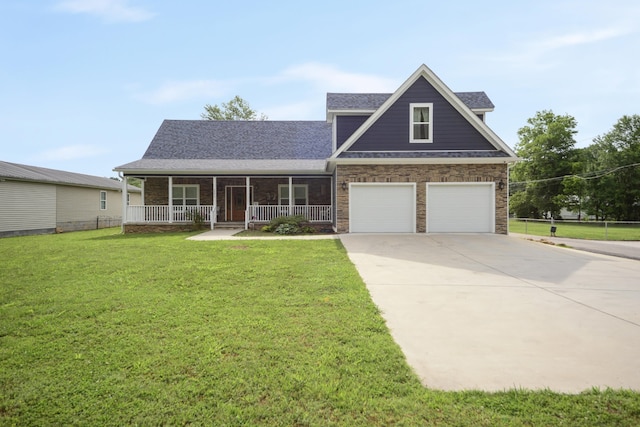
[{"x": 236, "y": 202}]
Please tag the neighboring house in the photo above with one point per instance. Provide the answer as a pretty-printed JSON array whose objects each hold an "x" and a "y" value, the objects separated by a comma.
[
  {"x": 420, "y": 159},
  {"x": 35, "y": 200}
]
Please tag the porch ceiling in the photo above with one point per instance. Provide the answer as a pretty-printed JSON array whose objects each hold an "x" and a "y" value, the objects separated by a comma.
[{"x": 224, "y": 167}]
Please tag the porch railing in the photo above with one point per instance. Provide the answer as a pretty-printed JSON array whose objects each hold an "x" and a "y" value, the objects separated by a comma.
[
  {"x": 162, "y": 214},
  {"x": 314, "y": 213}
]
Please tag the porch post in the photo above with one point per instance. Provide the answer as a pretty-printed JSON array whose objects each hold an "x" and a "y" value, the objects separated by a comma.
[
  {"x": 124, "y": 201},
  {"x": 246, "y": 213},
  {"x": 290, "y": 195},
  {"x": 215, "y": 201},
  {"x": 170, "y": 199}
]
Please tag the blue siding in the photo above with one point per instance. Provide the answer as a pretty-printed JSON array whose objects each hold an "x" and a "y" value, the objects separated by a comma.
[
  {"x": 346, "y": 126},
  {"x": 451, "y": 131}
]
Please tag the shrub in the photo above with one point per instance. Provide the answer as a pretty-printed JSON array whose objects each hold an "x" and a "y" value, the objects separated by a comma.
[
  {"x": 287, "y": 229},
  {"x": 294, "y": 220},
  {"x": 307, "y": 229},
  {"x": 266, "y": 229}
]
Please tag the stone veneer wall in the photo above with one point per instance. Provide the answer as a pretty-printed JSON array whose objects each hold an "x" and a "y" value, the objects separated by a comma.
[{"x": 421, "y": 174}]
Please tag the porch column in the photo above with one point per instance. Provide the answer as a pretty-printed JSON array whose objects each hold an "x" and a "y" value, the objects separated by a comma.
[
  {"x": 215, "y": 201},
  {"x": 124, "y": 201},
  {"x": 290, "y": 195},
  {"x": 248, "y": 199},
  {"x": 170, "y": 199}
]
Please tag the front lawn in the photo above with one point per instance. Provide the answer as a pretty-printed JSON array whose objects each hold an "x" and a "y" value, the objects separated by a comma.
[{"x": 97, "y": 328}]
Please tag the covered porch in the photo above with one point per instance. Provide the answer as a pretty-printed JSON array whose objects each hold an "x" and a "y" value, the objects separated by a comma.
[{"x": 217, "y": 200}]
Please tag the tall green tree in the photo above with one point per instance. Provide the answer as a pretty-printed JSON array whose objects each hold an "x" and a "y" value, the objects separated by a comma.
[
  {"x": 236, "y": 109},
  {"x": 546, "y": 147},
  {"x": 614, "y": 187}
]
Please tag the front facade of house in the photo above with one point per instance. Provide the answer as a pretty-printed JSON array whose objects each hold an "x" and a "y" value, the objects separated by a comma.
[
  {"x": 420, "y": 159},
  {"x": 35, "y": 200}
]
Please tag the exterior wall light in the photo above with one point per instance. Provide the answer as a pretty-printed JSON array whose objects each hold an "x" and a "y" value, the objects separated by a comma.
[
  {"x": 501, "y": 185},
  {"x": 344, "y": 185}
]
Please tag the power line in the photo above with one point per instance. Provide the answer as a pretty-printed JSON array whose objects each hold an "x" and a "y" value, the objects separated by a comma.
[{"x": 599, "y": 174}]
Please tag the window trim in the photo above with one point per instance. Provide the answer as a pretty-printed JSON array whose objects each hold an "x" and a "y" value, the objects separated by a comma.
[
  {"x": 306, "y": 194},
  {"x": 412, "y": 106},
  {"x": 184, "y": 193},
  {"x": 103, "y": 200}
]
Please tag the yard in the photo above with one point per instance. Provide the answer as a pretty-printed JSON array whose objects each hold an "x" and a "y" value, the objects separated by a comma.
[
  {"x": 99, "y": 328},
  {"x": 591, "y": 230}
]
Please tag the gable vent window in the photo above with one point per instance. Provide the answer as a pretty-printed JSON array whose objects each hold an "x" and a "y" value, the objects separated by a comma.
[{"x": 421, "y": 123}]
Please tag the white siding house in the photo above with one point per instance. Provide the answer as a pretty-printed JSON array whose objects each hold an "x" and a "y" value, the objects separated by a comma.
[{"x": 36, "y": 200}]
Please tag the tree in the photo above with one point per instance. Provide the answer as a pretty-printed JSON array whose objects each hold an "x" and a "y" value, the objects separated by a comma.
[
  {"x": 235, "y": 109},
  {"x": 546, "y": 147},
  {"x": 614, "y": 189}
]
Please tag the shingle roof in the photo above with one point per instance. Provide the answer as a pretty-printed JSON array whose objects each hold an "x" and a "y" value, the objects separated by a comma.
[
  {"x": 207, "y": 139},
  {"x": 18, "y": 172},
  {"x": 372, "y": 101}
]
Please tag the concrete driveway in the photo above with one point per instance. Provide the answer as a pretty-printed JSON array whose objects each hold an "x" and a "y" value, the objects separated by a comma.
[{"x": 496, "y": 312}]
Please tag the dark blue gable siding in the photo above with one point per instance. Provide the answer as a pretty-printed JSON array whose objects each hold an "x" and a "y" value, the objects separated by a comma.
[
  {"x": 346, "y": 126},
  {"x": 451, "y": 131}
]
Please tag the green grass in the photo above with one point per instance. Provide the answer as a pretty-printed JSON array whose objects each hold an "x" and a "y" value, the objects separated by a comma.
[
  {"x": 98, "y": 328},
  {"x": 574, "y": 230}
]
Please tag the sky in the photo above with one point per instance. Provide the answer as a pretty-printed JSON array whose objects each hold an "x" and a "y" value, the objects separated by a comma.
[{"x": 85, "y": 84}]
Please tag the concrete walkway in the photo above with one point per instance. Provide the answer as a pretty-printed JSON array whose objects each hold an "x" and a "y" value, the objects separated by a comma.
[{"x": 497, "y": 312}]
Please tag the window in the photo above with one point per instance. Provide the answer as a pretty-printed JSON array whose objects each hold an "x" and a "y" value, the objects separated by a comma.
[
  {"x": 186, "y": 195},
  {"x": 421, "y": 123},
  {"x": 300, "y": 194},
  {"x": 103, "y": 200}
]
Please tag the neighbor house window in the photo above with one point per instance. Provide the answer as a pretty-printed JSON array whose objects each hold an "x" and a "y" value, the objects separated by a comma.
[
  {"x": 421, "y": 123},
  {"x": 186, "y": 195},
  {"x": 300, "y": 194},
  {"x": 103, "y": 200}
]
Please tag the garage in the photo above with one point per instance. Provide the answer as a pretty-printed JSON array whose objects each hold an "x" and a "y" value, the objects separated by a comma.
[
  {"x": 382, "y": 207},
  {"x": 460, "y": 207}
]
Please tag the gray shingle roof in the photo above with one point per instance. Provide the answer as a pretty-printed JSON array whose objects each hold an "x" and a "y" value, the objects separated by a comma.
[
  {"x": 18, "y": 172},
  {"x": 241, "y": 140},
  {"x": 372, "y": 101}
]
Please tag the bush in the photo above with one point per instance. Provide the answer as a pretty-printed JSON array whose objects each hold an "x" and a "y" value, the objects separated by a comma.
[
  {"x": 294, "y": 220},
  {"x": 287, "y": 229},
  {"x": 266, "y": 229}
]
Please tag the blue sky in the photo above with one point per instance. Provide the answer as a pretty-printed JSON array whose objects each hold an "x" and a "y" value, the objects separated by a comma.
[{"x": 85, "y": 84}]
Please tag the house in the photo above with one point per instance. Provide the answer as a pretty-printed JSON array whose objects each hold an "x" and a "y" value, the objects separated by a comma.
[
  {"x": 35, "y": 200},
  {"x": 421, "y": 159}
]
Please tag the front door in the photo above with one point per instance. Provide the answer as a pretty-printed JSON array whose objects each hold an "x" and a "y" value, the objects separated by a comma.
[{"x": 236, "y": 198}]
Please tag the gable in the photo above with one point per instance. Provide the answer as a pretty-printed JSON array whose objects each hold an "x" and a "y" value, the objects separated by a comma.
[{"x": 451, "y": 130}]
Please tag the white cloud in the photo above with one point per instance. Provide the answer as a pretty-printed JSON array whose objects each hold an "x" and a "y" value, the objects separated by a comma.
[
  {"x": 532, "y": 55},
  {"x": 184, "y": 90},
  {"x": 110, "y": 10},
  {"x": 70, "y": 152},
  {"x": 330, "y": 79}
]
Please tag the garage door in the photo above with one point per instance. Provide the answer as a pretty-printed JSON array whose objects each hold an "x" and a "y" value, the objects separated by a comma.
[
  {"x": 382, "y": 208},
  {"x": 460, "y": 208}
]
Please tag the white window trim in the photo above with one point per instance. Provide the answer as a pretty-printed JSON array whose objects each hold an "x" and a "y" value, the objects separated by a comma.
[
  {"x": 411, "y": 122},
  {"x": 306, "y": 193},
  {"x": 103, "y": 200},
  {"x": 184, "y": 192}
]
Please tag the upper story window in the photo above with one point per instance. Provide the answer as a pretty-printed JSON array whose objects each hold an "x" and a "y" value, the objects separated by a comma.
[{"x": 421, "y": 122}]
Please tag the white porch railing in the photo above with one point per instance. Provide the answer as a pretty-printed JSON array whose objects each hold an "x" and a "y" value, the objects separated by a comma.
[
  {"x": 314, "y": 213},
  {"x": 161, "y": 214}
]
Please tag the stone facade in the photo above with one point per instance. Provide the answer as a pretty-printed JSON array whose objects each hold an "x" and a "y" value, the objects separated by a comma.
[{"x": 422, "y": 174}]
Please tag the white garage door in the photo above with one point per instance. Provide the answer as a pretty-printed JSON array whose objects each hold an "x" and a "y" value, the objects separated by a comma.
[
  {"x": 460, "y": 208},
  {"x": 382, "y": 208}
]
